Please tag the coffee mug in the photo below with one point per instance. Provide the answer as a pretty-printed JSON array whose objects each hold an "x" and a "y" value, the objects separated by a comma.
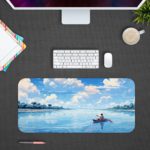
[{"x": 131, "y": 36}]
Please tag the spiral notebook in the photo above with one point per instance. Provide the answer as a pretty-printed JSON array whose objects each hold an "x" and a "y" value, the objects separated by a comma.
[{"x": 11, "y": 45}]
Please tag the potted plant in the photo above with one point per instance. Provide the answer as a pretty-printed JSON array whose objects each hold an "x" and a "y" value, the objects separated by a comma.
[{"x": 143, "y": 14}]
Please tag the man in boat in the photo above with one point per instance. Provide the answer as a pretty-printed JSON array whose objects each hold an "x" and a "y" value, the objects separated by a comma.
[{"x": 100, "y": 117}]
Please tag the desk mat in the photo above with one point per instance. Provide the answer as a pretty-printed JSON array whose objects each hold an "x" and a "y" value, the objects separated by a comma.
[{"x": 76, "y": 105}]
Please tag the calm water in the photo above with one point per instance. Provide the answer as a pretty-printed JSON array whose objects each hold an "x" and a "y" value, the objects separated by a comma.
[{"x": 75, "y": 121}]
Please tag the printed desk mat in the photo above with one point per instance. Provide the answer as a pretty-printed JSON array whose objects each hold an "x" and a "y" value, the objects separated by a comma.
[{"x": 76, "y": 105}]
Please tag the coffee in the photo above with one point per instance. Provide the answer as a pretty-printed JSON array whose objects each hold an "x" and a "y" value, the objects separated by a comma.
[{"x": 131, "y": 36}]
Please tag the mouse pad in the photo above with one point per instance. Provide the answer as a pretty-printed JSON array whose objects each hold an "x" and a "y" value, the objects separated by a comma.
[{"x": 76, "y": 105}]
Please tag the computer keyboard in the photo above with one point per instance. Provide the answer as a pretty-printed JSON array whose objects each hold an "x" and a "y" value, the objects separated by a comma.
[{"x": 75, "y": 59}]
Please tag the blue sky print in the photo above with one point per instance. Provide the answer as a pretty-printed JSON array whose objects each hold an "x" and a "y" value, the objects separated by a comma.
[{"x": 76, "y": 105}]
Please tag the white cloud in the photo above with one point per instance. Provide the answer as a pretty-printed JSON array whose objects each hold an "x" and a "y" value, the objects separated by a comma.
[
  {"x": 103, "y": 98},
  {"x": 22, "y": 94},
  {"x": 69, "y": 82},
  {"x": 49, "y": 82},
  {"x": 111, "y": 83},
  {"x": 51, "y": 99},
  {"x": 73, "y": 82},
  {"x": 46, "y": 81},
  {"x": 106, "y": 97},
  {"x": 80, "y": 96},
  {"x": 92, "y": 89},
  {"x": 83, "y": 95},
  {"x": 25, "y": 87},
  {"x": 52, "y": 84},
  {"x": 63, "y": 81}
]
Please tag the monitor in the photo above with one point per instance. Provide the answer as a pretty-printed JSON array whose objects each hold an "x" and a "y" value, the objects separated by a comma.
[{"x": 75, "y": 11}]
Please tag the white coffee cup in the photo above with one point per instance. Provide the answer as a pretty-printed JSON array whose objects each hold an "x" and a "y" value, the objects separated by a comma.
[{"x": 131, "y": 36}]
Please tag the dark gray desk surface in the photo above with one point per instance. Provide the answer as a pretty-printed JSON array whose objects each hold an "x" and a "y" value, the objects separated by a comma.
[{"x": 43, "y": 32}]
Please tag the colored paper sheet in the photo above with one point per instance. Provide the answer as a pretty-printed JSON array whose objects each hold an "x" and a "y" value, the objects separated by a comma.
[{"x": 8, "y": 52}]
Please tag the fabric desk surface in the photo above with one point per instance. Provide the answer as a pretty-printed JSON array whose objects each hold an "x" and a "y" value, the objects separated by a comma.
[{"x": 44, "y": 32}]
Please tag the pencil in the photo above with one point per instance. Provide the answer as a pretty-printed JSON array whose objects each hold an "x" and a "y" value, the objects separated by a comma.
[{"x": 32, "y": 142}]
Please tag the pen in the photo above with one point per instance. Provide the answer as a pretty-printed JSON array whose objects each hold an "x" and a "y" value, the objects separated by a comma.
[{"x": 32, "y": 142}]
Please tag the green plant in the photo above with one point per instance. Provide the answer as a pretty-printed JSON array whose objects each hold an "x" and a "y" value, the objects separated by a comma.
[{"x": 143, "y": 14}]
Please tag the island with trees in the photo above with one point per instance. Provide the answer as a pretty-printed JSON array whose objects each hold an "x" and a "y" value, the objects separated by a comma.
[
  {"x": 35, "y": 105},
  {"x": 130, "y": 106}
]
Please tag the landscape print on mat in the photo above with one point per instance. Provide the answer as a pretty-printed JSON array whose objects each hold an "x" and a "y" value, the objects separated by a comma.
[{"x": 76, "y": 105}]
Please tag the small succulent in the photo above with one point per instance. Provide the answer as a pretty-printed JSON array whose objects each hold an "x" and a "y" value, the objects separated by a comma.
[{"x": 143, "y": 14}]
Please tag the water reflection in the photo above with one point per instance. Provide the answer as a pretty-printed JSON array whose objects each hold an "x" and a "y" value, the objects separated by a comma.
[{"x": 75, "y": 121}]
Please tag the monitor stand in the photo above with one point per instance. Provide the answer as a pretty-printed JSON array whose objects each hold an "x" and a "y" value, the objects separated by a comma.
[{"x": 75, "y": 17}]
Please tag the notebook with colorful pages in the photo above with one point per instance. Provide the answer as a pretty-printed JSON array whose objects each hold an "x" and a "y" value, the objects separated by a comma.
[{"x": 11, "y": 45}]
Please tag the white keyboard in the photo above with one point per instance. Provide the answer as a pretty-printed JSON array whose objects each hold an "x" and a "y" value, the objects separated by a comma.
[{"x": 75, "y": 59}]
